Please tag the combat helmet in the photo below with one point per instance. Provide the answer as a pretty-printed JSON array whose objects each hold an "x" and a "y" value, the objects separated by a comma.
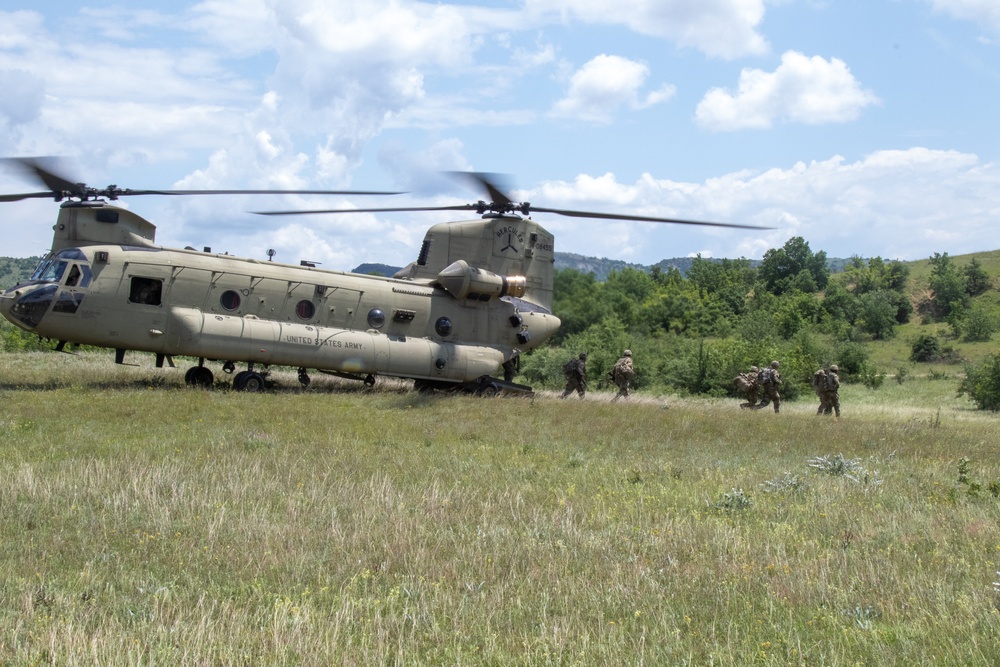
[
  {"x": 583, "y": 356},
  {"x": 628, "y": 353},
  {"x": 774, "y": 364},
  {"x": 834, "y": 368}
]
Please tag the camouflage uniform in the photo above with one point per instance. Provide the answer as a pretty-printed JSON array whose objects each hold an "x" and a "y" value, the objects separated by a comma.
[
  {"x": 746, "y": 384},
  {"x": 769, "y": 381},
  {"x": 511, "y": 367},
  {"x": 831, "y": 391},
  {"x": 622, "y": 375},
  {"x": 819, "y": 386},
  {"x": 575, "y": 371}
]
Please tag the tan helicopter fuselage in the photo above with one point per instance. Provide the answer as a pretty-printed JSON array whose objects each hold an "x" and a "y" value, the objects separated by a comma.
[{"x": 460, "y": 325}]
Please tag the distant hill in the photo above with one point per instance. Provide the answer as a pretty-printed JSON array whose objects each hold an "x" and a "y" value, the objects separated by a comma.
[
  {"x": 375, "y": 269},
  {"x": 16, "y": 270}
]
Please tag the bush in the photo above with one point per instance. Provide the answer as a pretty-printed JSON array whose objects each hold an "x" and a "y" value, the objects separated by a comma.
[
  {"x": 982, "y": 383},
  {"x": 926, "y": 347},
  {"x": 978, "y": 325}
]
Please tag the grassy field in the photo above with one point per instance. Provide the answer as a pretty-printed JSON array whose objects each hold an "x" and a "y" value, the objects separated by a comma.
[{"x": 144, "y": 522}]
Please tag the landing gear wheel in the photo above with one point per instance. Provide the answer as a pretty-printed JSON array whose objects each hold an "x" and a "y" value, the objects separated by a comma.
[
  {"x": 249, "y": 381},
  {"x": 489, "y": 391},
  {"x": 199, "y": 376},
  {"x": 370, "y": 381},
  {"x": 304, "y": 377}
]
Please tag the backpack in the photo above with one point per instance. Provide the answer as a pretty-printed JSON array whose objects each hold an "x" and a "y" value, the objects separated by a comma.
[
  {"x": 767, "y": 376},
  {"x": 832, "y": 382},
  {"x": 569, "y": 368},
  {"x": 622, "y": 370}
]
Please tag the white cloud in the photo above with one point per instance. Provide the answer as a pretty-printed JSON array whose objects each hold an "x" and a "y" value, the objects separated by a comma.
[
  {"x": 985, "y": 12},
  {"x": 603, "y": 85},
  {"x": 719, "y": 28},
  {"x": 805, "y": 90},
  {"x": 903, "y": 204}
]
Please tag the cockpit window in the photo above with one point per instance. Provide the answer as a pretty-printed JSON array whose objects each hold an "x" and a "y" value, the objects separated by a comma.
[{"x": 50, "y": 271}]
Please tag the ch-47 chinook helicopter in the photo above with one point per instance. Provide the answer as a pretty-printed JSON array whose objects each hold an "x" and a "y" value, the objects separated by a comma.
[{"x": 478, "y": 295}]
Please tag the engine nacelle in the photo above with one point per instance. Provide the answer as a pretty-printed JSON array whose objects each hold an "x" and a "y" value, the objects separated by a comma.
[{"x": 467, "y": 282}]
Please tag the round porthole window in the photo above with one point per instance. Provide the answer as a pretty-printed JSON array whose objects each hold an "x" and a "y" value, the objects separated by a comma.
[
  {"x": 443, "y": 326},
  {"x": 376, "y": 318},
  {"x": 230, "y": 300},
  {"x": 305, "y": 309}
]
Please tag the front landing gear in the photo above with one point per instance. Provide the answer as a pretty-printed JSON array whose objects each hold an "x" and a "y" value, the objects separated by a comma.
[{"x": 249, "y": 381}]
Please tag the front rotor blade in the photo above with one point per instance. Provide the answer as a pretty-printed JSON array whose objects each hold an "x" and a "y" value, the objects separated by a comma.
[
  {"x": 639, "y": 218},
  {"x": 128, "y": 192},
  {"x": 405, "y": 209},
  {"x": 28, "y": 195},
  {"x": 44, "y": 169}
]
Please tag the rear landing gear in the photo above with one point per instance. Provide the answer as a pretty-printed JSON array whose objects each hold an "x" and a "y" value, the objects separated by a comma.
[{"x": 199, "y": 376}]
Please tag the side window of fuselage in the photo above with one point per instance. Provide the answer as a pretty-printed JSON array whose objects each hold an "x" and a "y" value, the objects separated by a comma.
[{"x": 147, "y": 291}]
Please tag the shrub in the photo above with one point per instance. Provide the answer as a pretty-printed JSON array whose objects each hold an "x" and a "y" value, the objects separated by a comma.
[
  {"x": 926, "y": 347},
  {"x": 982, "y": 383},
  {"x": 978, "y": 325}
]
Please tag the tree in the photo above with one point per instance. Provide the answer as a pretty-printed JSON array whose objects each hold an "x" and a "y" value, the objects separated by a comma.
[
  {"x": 977, "y": 281},
  {"x": 947, "y": 286},
  {"x": 878, "y": 314},
  {"x": 780, "y": 267}
]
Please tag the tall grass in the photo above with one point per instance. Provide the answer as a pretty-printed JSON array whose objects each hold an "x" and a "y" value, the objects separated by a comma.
[{"x": 142, "y": 521}]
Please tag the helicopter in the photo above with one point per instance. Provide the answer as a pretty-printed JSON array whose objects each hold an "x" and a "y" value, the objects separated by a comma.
[{"x": 478, "y": 295}]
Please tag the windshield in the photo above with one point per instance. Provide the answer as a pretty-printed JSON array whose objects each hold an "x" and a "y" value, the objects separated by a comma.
[{"x": 50, "y": 271}]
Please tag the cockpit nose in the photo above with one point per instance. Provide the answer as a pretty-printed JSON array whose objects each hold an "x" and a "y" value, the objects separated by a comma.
[{"x": 26, "y": 304}]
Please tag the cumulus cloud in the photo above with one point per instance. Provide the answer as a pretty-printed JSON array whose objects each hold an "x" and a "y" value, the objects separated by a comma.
[
  {"x": 984, "y": 12},
  {"x": 720, "y": 28},
  {"x": 603, "y": 85},
  {"x": 805, "y": 90},
  {"x": 904, "y": 204},
  {"x": 22, "y": 96}
]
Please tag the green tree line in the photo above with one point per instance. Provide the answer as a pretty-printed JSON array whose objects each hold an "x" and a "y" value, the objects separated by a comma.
[{"x": 694, "y": 333}]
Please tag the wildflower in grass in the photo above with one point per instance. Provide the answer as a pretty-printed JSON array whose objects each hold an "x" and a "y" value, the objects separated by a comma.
[
  {"x": 789, "y": 483},
  {"x": 733, "y": 501},
  {"x": 838, "y": 466}
]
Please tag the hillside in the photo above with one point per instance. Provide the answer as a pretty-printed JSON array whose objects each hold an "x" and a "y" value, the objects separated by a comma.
[{"x": 16, "y": 270}]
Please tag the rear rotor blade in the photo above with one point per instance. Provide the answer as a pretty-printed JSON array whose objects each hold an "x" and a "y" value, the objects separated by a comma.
[{"x": 639, "y": 218}]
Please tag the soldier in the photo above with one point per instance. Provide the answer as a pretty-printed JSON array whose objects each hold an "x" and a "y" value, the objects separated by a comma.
[
  {"x": 622, "y": 375},
  {"x": 831, "y": 392},
  {"x": 511, "y": 367},
  {"x": 819, "y": 386},
  {"x": 575, "y": 371},
  {"x": 746, "y": 384},
  {"x": 770, "y": 378}
]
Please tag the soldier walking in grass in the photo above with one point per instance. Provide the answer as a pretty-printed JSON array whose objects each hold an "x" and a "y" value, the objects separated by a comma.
[
  {"x": 747, "y": 384},
  {"x": 819, "y": 386},
  {"x": 622, "y": 374},
  {"x": 770, "y": 378},
  {"x": 575, "y": 371},
  {"x": 831, "y": 390}
]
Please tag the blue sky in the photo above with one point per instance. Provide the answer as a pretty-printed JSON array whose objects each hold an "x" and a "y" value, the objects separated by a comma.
[{"x": 867, "y": 127}]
